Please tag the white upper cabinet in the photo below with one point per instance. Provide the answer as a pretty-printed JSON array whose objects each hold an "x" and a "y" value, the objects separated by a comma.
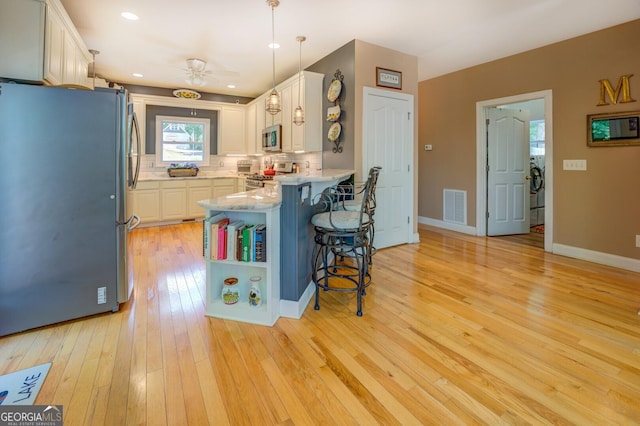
[
  {"x": 231, "y": 124},
  {"x": 232, "y": 131},
  {"x": 308, "y": 136},
  {"x": 45, "y": 45}
]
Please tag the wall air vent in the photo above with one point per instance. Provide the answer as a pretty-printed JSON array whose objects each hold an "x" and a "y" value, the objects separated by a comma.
[{"x": 455, "y": 206}]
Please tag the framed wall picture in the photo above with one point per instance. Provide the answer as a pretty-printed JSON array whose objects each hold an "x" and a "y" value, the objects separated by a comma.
[
  {"x": 388, "y": 78},
  {"x": 615, "y": 129}
]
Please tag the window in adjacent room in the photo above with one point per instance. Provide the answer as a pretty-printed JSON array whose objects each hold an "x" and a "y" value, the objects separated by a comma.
[
  {"x": 181, "y": 140},
  {"x": 536, "y": 137}
]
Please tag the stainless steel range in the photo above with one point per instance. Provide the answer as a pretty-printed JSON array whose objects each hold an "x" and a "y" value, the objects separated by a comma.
[{"x": 256, "y": 181}]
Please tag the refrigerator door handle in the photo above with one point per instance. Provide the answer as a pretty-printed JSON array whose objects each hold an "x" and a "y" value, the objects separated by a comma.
[
  {"x": 133, "y": 177},
  {"x": 132, "y": 223}
]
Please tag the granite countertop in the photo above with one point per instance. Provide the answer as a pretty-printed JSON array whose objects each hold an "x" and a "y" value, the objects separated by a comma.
[
  {"x": 324, "y": 175},
  {"x": 258, "y": 199},
  {"x": 145, "y": 176}
]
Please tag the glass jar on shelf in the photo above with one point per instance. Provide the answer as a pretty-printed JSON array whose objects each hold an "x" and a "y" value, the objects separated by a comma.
[
  {"x": 255, "y": 295},
  {"x": 230, "y": 293}
]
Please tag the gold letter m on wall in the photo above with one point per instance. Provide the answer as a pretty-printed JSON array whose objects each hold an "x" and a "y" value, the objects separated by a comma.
[{"x": 621, "y": 88}]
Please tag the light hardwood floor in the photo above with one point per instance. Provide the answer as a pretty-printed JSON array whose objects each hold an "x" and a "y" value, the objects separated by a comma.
[{"x": 456, "y": 330}]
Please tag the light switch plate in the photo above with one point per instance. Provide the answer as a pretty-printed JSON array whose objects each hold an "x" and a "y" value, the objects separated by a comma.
[{"x": 574, "y": 165}]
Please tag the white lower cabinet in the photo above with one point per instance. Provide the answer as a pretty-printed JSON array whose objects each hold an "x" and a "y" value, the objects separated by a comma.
[
  {"x": 217, "y": 271},
  {"x": 197, "y": 190},
  {"x": 224, "y": 186},
  {"x": 175, "y": 200},
  {"x": 145, "y": 201}
]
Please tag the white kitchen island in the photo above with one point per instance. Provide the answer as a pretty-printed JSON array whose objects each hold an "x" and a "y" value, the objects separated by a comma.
[
  {"x": 263, "y": 206},
  {"x": 260, "y": 206}
]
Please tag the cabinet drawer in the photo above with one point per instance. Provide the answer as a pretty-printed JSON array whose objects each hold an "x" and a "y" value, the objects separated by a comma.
[
  {"x": 199, "y": 183},
  {"x": 224, "y": 182},
  {"x": 148, "y": 184},
  {"x": 174, "y": 184}
]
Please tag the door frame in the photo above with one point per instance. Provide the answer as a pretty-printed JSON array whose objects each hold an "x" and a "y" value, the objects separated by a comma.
[
  {"x": 481, "y": 160},
  {"x": 408, "y": 150}
]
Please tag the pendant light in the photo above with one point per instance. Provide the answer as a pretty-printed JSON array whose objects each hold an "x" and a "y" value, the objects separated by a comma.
[
  {"x": 298, "y": 114},
  {"x": 273, "y": 103},
  {"x": 94, "y": 52}
]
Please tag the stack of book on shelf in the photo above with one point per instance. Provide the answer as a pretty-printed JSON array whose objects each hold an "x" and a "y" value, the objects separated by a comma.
[{"x": 226, "y": 239}]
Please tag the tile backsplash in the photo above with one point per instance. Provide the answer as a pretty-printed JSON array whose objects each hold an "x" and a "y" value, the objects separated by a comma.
[{"x": 312, "y": 161}]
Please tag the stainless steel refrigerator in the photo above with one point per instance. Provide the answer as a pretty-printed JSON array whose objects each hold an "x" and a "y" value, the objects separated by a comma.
[{"x": 66, "y": 159}]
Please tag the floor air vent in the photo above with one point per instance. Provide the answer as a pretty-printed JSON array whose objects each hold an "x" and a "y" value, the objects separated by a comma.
[{"x": 455, "y": 206}]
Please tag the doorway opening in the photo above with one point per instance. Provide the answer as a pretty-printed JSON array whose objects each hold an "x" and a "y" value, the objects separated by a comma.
[{"x": 539, "y": 105}]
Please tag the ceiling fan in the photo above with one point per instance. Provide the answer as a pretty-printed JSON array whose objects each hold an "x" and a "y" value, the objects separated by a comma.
[{"x": 196, "y": 72}]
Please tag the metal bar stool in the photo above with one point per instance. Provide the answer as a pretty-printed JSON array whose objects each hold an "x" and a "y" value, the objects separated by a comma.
[
  {"x": 342, "y": 252},
  {"x": 354, "y": 203}
]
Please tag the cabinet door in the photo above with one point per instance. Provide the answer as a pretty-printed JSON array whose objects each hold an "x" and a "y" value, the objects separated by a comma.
[
  {"x": 287, "y": 117},
  {"x": 54, "y": 45},
  {"x": 174, "y": 203},
  {"x": 232, "y": 128},
  {"x": 224, "y": 186},
  {"x": 23, "y": 24},
  {"x": 297, "y": 132},
  {"x": 82, "y": 70},
  {"x": 260, "y": 123},
  {"x": 196, "y": 194},
  {"x": 69, "y": 68},
  {"x": 140, "y": 109},
  {"x": 251, "y": 132},
  {"x": 146, "y": 204}
]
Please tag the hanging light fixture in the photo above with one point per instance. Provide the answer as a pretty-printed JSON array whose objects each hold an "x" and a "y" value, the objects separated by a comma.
[
  {"x": 273, "y": 103},
  {"x": 298, "y": 114},
  {"x": 94, "y": 52}
]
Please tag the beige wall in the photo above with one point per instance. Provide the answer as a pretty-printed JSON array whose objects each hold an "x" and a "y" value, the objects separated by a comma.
[
  {"x": 368, "y": 57},
  {"x": 596, "y": 210}
]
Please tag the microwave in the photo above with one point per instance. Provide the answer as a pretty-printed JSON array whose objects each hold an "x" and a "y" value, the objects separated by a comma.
[{"x": 272, "y": 138}]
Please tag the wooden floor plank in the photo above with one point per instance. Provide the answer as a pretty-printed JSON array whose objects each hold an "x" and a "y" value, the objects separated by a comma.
[{"x": 457, "y": 329}]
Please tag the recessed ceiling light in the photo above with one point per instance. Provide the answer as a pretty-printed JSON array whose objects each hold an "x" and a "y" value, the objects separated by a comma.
[
  {"x": 274, "y": 46},
  {"x": 137, "y": 74},
  {"x": 231, "y": 86},
  {"x": 130, "y": 16}
]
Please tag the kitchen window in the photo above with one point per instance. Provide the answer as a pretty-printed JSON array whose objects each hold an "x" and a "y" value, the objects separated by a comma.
[{"x": 182, "y": 139}]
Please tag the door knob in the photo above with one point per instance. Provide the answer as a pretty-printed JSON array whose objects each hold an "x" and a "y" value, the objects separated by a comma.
[{"x": 527, "y": 177}]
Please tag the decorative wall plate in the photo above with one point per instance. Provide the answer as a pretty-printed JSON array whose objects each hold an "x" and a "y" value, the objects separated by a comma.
[
  {"x": 334, "y": 90},
  {"x": 333, "y": 113},
  {"x": 186, "y": 94},
  {"x": 334, "y": 132}
]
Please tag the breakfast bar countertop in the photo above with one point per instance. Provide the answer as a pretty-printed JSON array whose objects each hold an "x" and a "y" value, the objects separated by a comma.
[
  {"x": 257, "y": 199},
  {"x": 324, "y": 175}
]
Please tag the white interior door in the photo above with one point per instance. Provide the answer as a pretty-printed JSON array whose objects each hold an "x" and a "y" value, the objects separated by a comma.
[
  {"x": 387, "y": 142},
  {"x": 508, "y": 172}
]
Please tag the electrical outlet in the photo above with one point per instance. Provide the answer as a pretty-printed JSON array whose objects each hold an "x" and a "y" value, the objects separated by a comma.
[
  {"x": 428, "y": 147},
  {"x": 150, "y": 165},
  {"x": 221, "y": 163},
  {"x": 637, "y": 240}
]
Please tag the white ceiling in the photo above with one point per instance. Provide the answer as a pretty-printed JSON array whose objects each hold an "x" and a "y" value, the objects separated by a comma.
[{"x": 232, "y": 35}]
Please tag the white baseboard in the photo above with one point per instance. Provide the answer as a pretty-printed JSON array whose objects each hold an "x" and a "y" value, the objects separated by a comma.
[
  {"x": 561, "y": 249},
  {"x": 293, "y": 309},
  {"x": 465, "y": 229},
  {"x": 598, "y": 257}
]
